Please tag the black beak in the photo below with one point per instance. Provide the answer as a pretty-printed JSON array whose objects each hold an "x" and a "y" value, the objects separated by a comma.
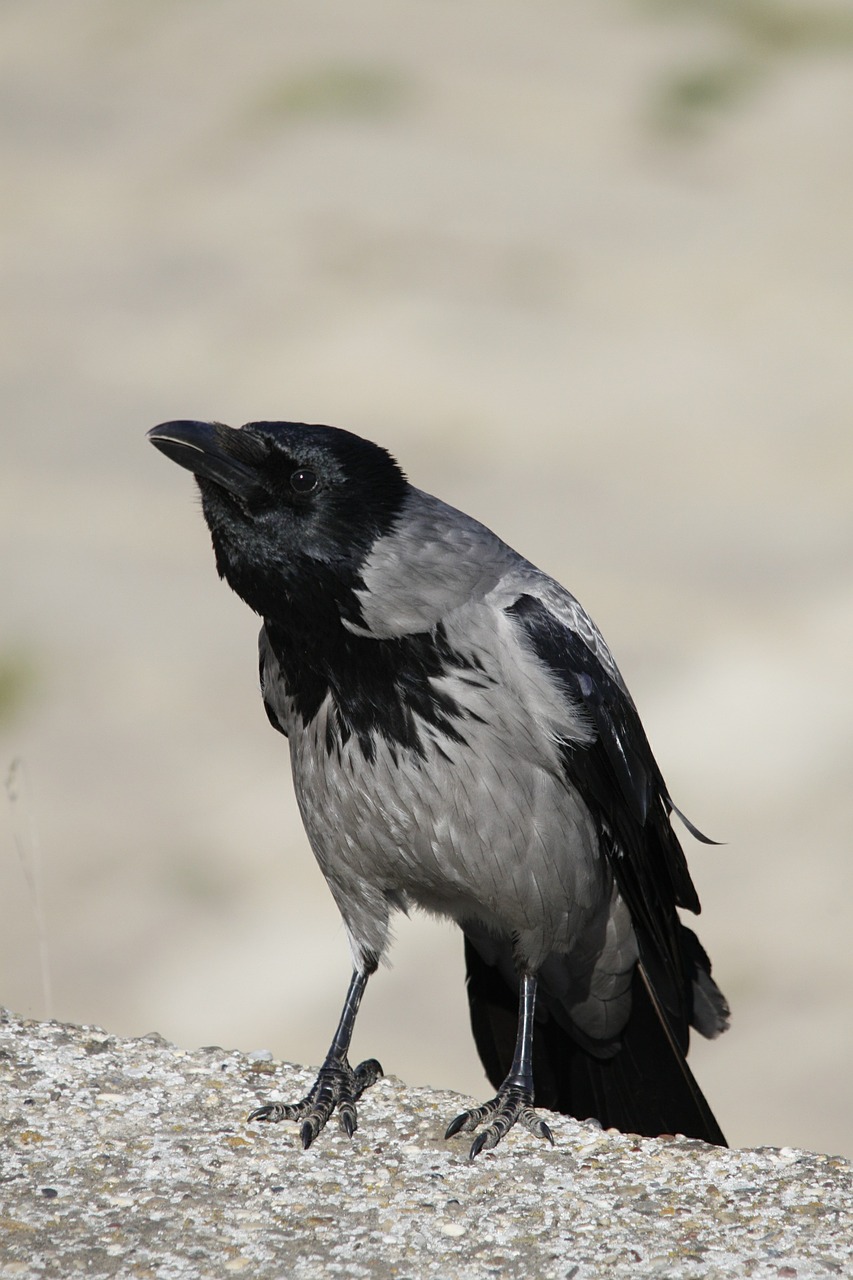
[{"x": 211, "y": 451}]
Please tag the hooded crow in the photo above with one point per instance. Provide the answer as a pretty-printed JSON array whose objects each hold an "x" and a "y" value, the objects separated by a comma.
[{"x": 461, "y": 740}]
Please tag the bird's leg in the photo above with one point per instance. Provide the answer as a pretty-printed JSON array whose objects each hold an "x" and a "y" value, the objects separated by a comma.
[
  {"x": 514, "y": 1099},
  {"x": 337, "y": 1084}
]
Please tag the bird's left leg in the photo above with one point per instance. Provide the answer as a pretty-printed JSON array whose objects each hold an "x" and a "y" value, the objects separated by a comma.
[
  {"x": 514, "y": 1099},
  {"x": 337, "y": 1084}
]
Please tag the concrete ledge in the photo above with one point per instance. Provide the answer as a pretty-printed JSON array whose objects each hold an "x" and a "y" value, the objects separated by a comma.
[{"x": 132, "y": 1158}]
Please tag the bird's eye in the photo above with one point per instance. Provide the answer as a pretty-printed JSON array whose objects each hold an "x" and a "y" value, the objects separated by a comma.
[{"x": 304, "y": 480}]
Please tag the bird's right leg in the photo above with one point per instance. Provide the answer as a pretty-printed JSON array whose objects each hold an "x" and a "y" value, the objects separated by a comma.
[
  {"x": 337, "y": 1084},
  {"x": 513, "y": 1102}
]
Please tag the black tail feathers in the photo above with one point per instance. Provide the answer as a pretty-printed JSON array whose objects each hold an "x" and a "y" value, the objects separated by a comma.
[{"x": 646, "y": 1087}]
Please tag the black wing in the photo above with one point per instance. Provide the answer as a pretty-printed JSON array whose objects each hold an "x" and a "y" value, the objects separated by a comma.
[{"x": 647, "y": 1086}]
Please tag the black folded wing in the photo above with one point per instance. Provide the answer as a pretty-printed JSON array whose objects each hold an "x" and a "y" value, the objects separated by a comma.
[{"x": 647, "y": 1086}]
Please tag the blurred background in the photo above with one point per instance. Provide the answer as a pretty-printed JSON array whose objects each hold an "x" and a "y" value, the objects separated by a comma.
[{"x": 586, "y": 268}]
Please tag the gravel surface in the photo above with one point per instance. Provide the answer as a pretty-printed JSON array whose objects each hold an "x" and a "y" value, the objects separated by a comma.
[{"x": 133, "y": 1158}]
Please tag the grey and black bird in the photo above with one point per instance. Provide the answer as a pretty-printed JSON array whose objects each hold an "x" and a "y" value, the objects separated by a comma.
[{"x": 462, "y": 741}]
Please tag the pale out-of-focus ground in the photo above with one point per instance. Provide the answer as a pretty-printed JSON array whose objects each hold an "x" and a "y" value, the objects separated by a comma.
[{"x": 587, "y": 268}]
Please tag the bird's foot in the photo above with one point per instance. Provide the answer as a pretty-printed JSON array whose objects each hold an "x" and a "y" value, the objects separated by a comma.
[
  {"x": 337, "y": 1085},
  {"x": 513, "y": 1104}
]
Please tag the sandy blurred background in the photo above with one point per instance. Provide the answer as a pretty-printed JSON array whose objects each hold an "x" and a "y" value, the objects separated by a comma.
[{"x": 587, "y": 269}]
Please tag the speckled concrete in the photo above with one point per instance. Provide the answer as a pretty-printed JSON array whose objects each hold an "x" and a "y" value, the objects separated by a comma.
[{"x": 133, "y": 1158}]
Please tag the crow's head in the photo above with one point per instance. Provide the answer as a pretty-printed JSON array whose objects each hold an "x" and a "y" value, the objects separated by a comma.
[{"x": 293, "y": 509}]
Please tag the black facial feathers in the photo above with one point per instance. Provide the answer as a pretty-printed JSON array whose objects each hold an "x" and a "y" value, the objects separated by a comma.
[{"x": 292, "y": 508}]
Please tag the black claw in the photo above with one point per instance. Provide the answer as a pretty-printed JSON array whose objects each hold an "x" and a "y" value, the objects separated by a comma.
[
  {"x": 455, "y": 1126},
  {"x": 266, "y": 1112},
  {"x": 366, "y": 1074},
  {"x": 478, "y": 1144},
  {"x": 337, "y": 1086},
  {"x": 511, "y": 1105}
]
